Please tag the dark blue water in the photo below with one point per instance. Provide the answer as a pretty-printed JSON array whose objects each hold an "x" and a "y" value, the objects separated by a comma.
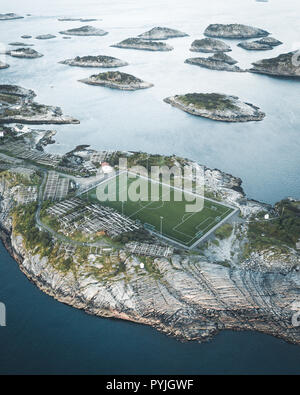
[{"x": 45, "y": 336}]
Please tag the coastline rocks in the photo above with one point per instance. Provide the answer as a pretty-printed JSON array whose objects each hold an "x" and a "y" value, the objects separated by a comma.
[
  {"x": 209, "y": 45},
  {"x": 45, "y": 36},
  {"x": 146, "y": 45},
  {"x": 84, "y": 31},
  {"x": 162, "y": 33},
  {"x": 117, "y": 80},
  {"x": 17, "y": 105},
  {"x": 218, "y": 107},
  {"x": 284, "y": 65},
  {"x": 3, "y": 65},
  {"x": 9, "y": 16},
  {"x": 211, "y": 63},
  {"x": 95, "y": 61},
  {"x": 234, "y": 31},
  {"x": 255, "y": 46},
  {"x": 26, "y": 53}
]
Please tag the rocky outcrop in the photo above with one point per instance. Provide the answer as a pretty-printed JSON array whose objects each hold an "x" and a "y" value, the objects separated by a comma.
[
  {"x": 146, "y": 45},
  {"x": 84, "y": 31},
  {"x": 3, "y": 65},
  {"x": 95, "y": 61},
  {"x": 162, "y": 33},
  {"x": 234, "y": 31},
  {"x": 17, "y": 105},
  {"x": 45, "y": 36},
  {"x": 209, "y": 45},
  {"x": 255, "y": 46},
  {"x": 9, "y": 16},
  {"x": 26, "y": 53},
  {"x": 211, "y": 63},
  {"x": 117, "y": 80},
  {"x": 284, "y": 65},
  {"x": 216, "y": 106}
]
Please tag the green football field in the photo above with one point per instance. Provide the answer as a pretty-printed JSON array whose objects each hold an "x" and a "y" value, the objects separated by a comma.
[{"x": 168, "y": 218}]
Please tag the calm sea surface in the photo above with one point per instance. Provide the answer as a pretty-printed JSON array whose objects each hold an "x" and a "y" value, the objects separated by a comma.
[{"x": 45, "y": 336}]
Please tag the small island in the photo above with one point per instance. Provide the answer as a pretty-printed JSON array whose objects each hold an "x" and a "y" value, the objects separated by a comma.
[
  {"x": 3, "y": 65},
  {"x": 84, "y": 31},
  {"x": 284, "y": 65},
  {"x": 216, "y": 106},
  {"x": 20, "y": 44},
  {"x": 234, "y": 31},
  {"x": 17, "y": 105},
  {"x": 26, "y": 53},
  {"x": 214, "y": 63},
  {"x": 45, "y": 36},
  {"x": 209, "y": 45},
  {"x": 146, "y": 45},
  {"x": 77, "y": 19},
  {"x": 162, "y": 33},
  {"x": 26, "y": 36},
  {"x": 95, "y": 61},
  {"x": 9, "y": 16},
  {"x": 117, "y": 80}
]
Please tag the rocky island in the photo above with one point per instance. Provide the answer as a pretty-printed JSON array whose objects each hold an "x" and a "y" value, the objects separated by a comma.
[
  {"x": 209, "y": 45},
  {"x": 162, "y": 33},
  {"x": 117, "y": 80},
  {"x": 9, "y": 16},
  {"x": 146, "y": 45},
  {"x": 26, "y": 53},
  {"x": 20, "y": 44},
  {"x": 3, "y": 65},
  {"x": 17, "y": 105},
  {"x": 216, "y": 106},
  {"x": 45, "y": 36},
  {"x": 77, "y": 19},
  {"x": 26, "y": 36},
  {"x": 284, "y": 65},
  {"x": 245, "y": 278},
  {"x": 84, "y": 31},
  {"x": 215, "y": 63},
  {"x": 95, "y": 61},
  {"x": 234, "y": 31}
]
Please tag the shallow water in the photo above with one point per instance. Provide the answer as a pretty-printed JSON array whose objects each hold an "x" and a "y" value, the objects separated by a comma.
[{"x": 45, "y": 336}]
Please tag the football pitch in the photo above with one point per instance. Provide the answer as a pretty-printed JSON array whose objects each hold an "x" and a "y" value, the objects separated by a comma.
[{"x": 166, "y": 218}]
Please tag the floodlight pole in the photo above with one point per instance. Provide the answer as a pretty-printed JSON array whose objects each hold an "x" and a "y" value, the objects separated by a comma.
[{"x": 161, "y": 224}]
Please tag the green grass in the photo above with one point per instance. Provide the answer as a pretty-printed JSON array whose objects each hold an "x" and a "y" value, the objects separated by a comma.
[{"x": 177, "y": 224}]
